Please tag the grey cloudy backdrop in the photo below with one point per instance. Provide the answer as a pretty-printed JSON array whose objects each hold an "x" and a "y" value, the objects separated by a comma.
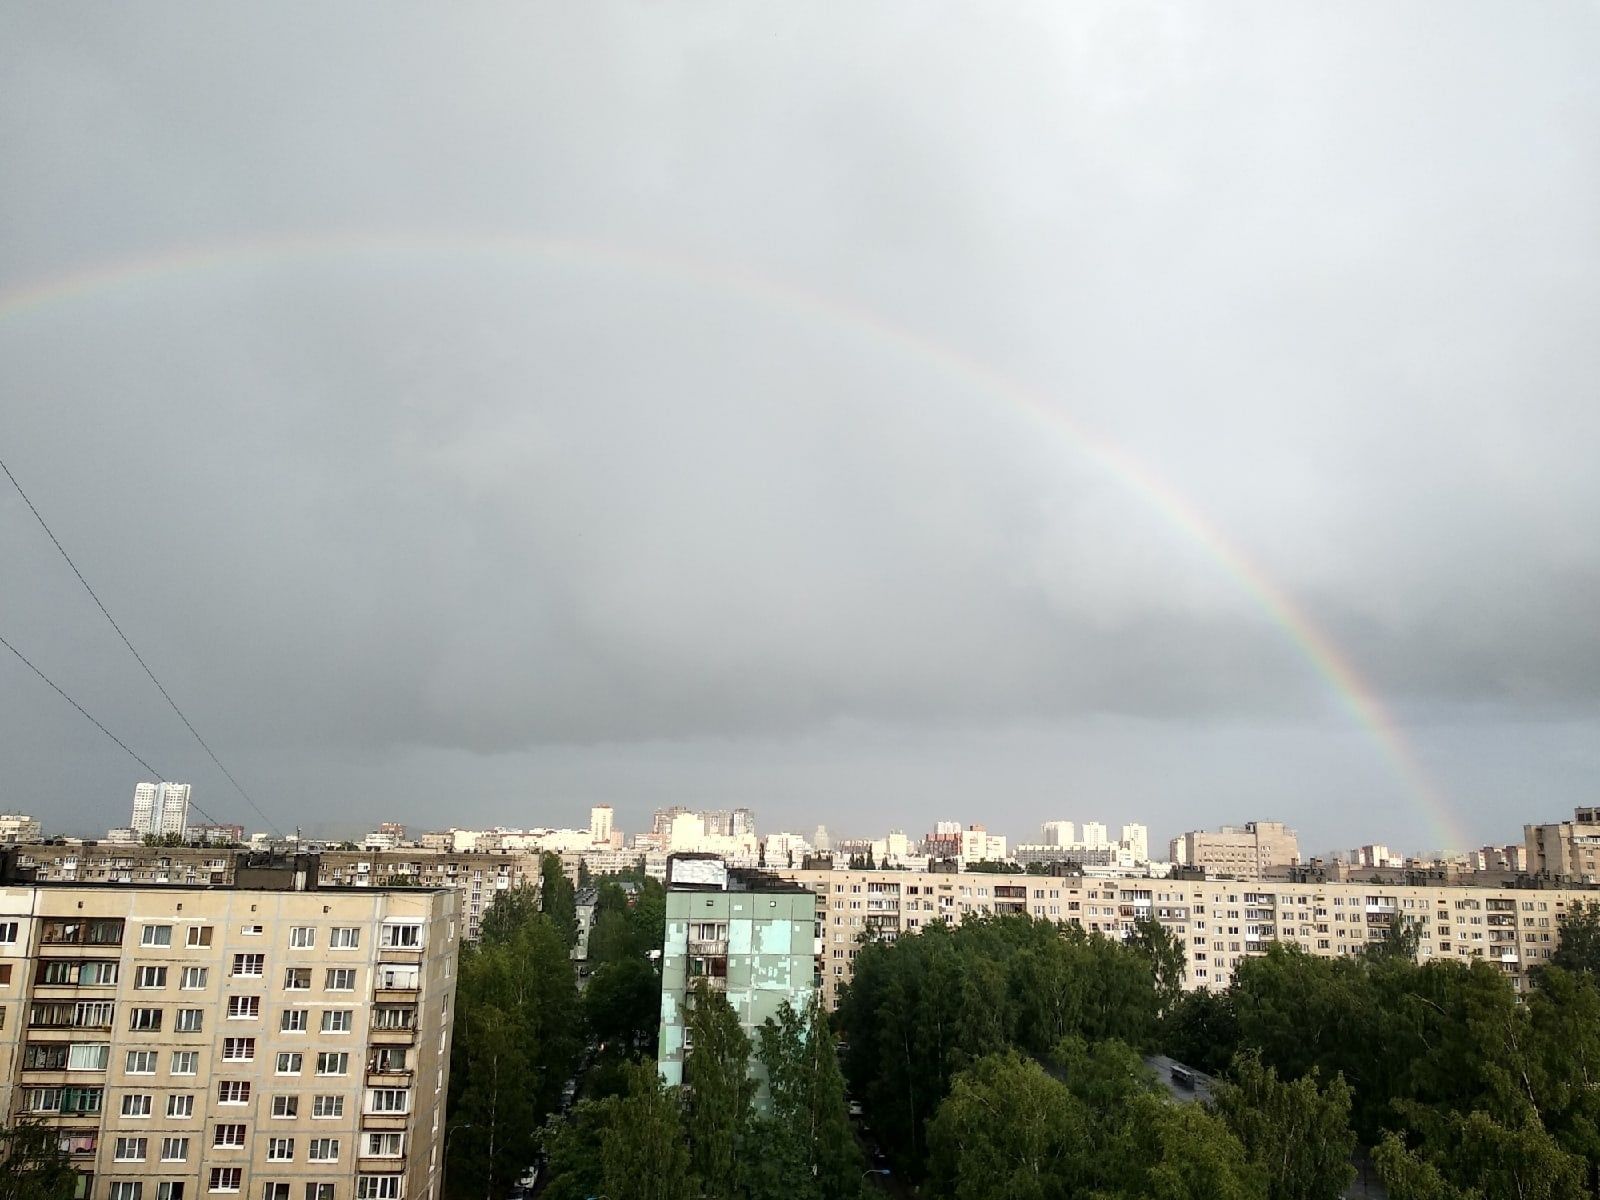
[{"x": 420, "y": 526}]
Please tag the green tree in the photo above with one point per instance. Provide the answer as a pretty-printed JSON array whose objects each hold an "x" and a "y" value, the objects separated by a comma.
[
  {"x": 719, "y": 1090},
  {"x": 1165, "y": 953},
  {"x": 648, "y": 916},
  {"x": 557, "y": 901},
  {"x": 511, "y": 911},
  {"x": 646, "y": 1157},
  {"x": 33, "y": 1165},
  {"x": 1299, "y": 1133},
  {"x": 1008, "y": 1129},
  {"x": 1202, "y": 1030},
  {"x": 1579, "y": 947},
  {"x": 798, "y": 1052},
  {"x": 622, "y": 1006}
]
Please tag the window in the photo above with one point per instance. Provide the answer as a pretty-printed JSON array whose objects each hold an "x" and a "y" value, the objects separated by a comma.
[
  {"x": 386, "y": 1145},
  {"x": 130, "y": 1149},
  {"x": 238, "y": 1049},
  {"x": 141, "y": 1062},
  {"x": 377, "y": 1187},
  {"x": 250, "y": 930},
  {"x": 136, "y": 1104},
  {"x": 386, "y": 1060},
  {"x": 327, "y": 1106},
  {"x": 344, "y": 938},
  {"x": 401, "y": 936},
  {"x": 323, "y": 1150},
  {"x": 125, "y": 1189},
  {"x": 8, "y": 931},
  {"x": 194, "y": 978},
  {"x": 144, "y": 1018},
  {"x": 233, "y": 1091},
  {"x": 337, "y": 1020},
  {"x": 229, "y": 1137},
  {"x": 302, "y": 937},
  {"x": 174, "y": 1149},
  {"x": 397, "y": 975},
  {"x": 275, "y": 1191},
  {"x": 189, "y": 1020},
  {"x": 88, "y": 1056},
  {"x": 225, "y": 1179},
  {"x": 319, "y": 1191},
  {"x": 185, "y": 1062},
  {"x": 150, "y": 977},
  {"x": 294, "y": 1020},
  {"x": 341, "y": 979},
  {"x": 289, "y": 1062},
  {"x": 333, "y": 1062},
  {"x": 180, "y": 1104},
  {"x": 199, "y": 935},
  {"x": 248, "y": 964},
  {"x": 169, "y": 1191},
  {"x": 156, "y": 935},
  {"x": 280, "y": 1150},
  {"x": 285, "y": 1107},
  {"x": 297, "y": 979},
  {"x": 243, "y": 1008},
  {"x": 387, "y": 1100}
]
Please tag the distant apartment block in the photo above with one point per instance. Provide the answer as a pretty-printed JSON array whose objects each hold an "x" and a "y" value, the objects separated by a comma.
[
  {"x": 269, "y": 1039},
  {"x": 747, "y": 934},
  {"x": 1249, "y": 851},
  {"x": 1219, "y": 922},
  {"x": 160, "y": 809},
  {"x": 1566, "y": 849},
  {"x": 19, "y": 827}
]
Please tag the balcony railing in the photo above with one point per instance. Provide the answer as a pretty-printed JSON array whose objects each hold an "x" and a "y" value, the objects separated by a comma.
[{"x": 709, "y": 947}]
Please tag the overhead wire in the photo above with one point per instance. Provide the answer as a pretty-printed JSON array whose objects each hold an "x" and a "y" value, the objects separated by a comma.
[
  {"x": 27, "y": 662},
  {"x": 139, "y": 658}
]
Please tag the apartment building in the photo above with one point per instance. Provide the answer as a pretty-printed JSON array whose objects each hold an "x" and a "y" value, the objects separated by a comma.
[
  {"x": 19, "y": 827},
  {"x": 1253, "y": 850},
  {"x": 478, "y": 877},
  {"x": 271, "y": 1039},
  {"x": 1566, "y": 849},
  {"x": 1219, "y": 922},
  {"x": 748, "y": 934}
]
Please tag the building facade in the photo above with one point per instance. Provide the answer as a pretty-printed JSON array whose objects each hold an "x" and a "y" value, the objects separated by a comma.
[
  {"x": 1248, "y": 851},
  {"x": 270, "y": 1039},
  {"x": 160, "y": 809},
  {"x": 747, "y": 934},
  {"x": 1566, "y": 849},
  {"x": 1220, "y": 923},
  {"x": 19, "y": 827}
]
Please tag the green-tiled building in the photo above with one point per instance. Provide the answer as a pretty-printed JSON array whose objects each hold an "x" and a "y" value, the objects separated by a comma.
[{"x": 749, "y": 934}]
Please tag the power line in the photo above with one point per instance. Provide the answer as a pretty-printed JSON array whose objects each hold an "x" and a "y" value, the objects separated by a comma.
[
  {"x": 137, "y": 657},
  {"x": 91, "y": 718}
]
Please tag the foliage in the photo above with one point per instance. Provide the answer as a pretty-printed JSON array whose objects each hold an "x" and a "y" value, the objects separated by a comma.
[
  {"x": 931, "y": 1003},
  {"x": 1202, "y": 1030},
  {"x": 515, "y": 1044},
  {"x": 1010, "y": 1129},
  {"x": 556, "y": 898},
  {"x": 33, "y": 1165},
  {"x": 801, "y": 1061},
  {"x": 645, "y": 1157},
  {"x": 1166, "y": 956},
  {"x": 511, "y": 910},
  {"x": 1579, "y": 949},
  {"x": 718, "y": 1088},
  {"x": 1298, "y": 1132},
  {"x": 622, "y": 1007}
]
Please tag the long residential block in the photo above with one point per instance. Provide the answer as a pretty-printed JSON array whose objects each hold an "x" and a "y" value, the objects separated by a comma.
[{"x": 267, "y": 1037}]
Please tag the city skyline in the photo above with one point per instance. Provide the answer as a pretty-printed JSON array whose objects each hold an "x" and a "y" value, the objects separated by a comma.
[{"x": 1188, "y": 423}]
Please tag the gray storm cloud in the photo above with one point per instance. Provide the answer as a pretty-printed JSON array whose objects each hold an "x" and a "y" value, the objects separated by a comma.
[{"x": 417, "y": 513}]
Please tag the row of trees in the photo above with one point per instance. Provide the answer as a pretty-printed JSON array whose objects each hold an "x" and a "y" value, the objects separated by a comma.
[
  {"x": 1001, "y": 1058},
  {"x": 521, "y": 1023},
  {"x": 709, "y": 1139}
]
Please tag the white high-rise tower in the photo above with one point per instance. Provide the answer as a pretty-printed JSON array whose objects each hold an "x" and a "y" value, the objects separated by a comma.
[
  {"x": 600, "y": 824},
  {"x": 160, "y": 808}
]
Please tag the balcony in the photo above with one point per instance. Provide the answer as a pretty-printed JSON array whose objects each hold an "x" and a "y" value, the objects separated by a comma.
[
  {"x": 400, "y": 1036},
  {"x": 391, "y": 1077},
  {"x": 392, "y": 993},
  {"x": 709, "y": 947},
  {"x": 385, "y": 1122}
]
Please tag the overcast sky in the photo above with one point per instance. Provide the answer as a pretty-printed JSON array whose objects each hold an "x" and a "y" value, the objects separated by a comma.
[{"x": 476, "y": 413}]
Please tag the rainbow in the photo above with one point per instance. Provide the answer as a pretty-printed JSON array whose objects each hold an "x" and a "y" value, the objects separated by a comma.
[{"x": 1314, "y": 645}]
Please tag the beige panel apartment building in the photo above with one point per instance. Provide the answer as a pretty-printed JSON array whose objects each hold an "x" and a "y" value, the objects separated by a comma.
[
  {"x": 269, "y": 1039},
  {"x": 1566, "y": 849},
  {"x": 1219, "y": 922},
  {"x": 1255, "y": 848},
  {"x": 477, "y": 875}
]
